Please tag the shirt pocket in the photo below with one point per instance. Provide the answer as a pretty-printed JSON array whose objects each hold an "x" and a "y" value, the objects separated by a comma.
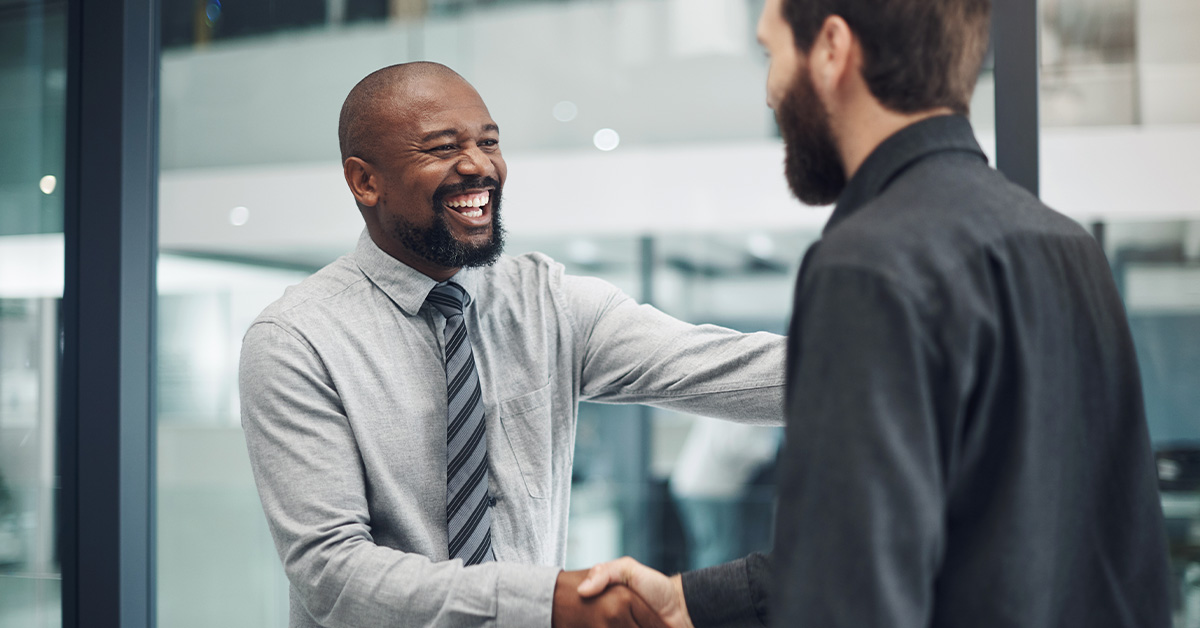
[{"x": 527, "y": 427}]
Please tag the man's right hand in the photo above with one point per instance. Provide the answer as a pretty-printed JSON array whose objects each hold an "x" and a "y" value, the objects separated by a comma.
[{"x": 617, "y": 607}]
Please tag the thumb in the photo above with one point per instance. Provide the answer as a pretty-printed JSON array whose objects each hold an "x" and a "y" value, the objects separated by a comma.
[{"x": 597, "y": 580}]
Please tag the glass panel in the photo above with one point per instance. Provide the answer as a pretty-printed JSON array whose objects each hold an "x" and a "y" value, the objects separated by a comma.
[
  {"x": 32, "y": 103},
  {"x": 213, "y": 543}
]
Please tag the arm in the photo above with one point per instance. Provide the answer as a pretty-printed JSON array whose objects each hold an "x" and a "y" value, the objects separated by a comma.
[
  {"x": 311, "y": 483},
  {"x": 636, "y": 354},
  {"x": 860, "y": 527},
  {"x": 735, "y": 594}
]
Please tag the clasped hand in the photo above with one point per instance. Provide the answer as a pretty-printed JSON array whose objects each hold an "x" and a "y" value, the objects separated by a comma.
[{"x": 619, "y": 593}]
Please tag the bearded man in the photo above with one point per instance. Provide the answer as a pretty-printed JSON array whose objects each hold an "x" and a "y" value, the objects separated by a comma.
[
  {"x": 410, "y": 409},
  {"x": 966, "y": 440}
]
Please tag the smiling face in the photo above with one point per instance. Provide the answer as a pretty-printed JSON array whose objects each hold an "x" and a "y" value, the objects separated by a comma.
[{"x": 430, "y": 189}]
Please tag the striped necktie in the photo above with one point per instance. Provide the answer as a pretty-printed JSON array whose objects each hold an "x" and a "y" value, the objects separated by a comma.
[{"x": 468, "y": 520}]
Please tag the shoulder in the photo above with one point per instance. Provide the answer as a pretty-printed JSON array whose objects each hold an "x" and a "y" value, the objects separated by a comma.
[
  {"x": 938, "y": 222},
  {"x": 522, "y": 271},
  {"x": 538, "y": 276},
  {"x": 323, "y": 291}
]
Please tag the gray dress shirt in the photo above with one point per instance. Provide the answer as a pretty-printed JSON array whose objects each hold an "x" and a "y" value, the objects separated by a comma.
[{"x": 344, "y": 407}]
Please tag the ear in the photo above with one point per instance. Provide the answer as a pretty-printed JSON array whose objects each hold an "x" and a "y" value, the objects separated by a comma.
[
  {"x": 363, "y": 181},
  {"x": 835, "y": 57}
]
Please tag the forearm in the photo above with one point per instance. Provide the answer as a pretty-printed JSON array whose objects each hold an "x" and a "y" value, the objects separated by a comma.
[
  {"x": 731, "y": 595},
  {"x": 375, "y": 586},
  {"x": 637, "y": 354}
]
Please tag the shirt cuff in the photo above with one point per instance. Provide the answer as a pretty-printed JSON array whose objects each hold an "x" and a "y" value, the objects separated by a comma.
[
  {"x": 723, "y": 596},
  {"x": 526, "y": 594}
]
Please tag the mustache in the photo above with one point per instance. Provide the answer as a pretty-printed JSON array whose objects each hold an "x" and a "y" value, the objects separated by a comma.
[{"x": 450, "y": 189}]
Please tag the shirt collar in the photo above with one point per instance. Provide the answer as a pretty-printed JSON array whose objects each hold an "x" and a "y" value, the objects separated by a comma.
[
  {"x": 403, "y": 284},
  {"x": 907, "y": 146}
]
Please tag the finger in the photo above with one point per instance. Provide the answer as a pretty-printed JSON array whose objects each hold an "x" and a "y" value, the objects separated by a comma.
[
  {"x": 619, "y": 571},
  {"x": 597, "y": 580}
]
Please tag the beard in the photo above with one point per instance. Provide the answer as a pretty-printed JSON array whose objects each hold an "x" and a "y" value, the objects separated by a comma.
[
  {"x": 437, "y": 245},
  {"x": 813, "y": 166}
]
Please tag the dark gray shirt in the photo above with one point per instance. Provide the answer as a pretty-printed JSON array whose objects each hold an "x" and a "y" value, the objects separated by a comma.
[{"x": 975, "y": 450}]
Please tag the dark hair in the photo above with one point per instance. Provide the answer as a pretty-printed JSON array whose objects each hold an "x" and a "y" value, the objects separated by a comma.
[{"x": 917, "y": 54}]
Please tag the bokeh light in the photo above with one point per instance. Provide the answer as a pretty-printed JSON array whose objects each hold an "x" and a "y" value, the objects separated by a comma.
[
  {"x": 606, "y": 139},
  {"x": 48, "y": 183},
  {"x": 565, "y": 111},
  {"x": 238, "y": 216},
  {"x": 212, "y": 12}
]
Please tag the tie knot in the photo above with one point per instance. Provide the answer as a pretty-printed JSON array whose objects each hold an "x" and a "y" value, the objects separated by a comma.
[{"x": 449, "y": 298}]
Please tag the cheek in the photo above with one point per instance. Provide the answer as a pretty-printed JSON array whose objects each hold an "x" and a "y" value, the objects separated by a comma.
[
  {"x": 776, "y": 86},
  {"x": 780, "y": 76},
  {"x": 501, "y": 167}
]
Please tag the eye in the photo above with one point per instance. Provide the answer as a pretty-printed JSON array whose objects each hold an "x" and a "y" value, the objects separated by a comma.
[
  {"x": 489, "y": 143},
  {"x": 444, "y": 148}
]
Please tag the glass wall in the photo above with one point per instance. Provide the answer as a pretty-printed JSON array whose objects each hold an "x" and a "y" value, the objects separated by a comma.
[
  {"x": 32, "y": 102},
  {"x": 216, "y": 563}
]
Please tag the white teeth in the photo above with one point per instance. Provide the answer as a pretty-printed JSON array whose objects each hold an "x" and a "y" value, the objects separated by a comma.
[
  {"x": 473, "y": 213},
  {"x": 477, "y": 200}
]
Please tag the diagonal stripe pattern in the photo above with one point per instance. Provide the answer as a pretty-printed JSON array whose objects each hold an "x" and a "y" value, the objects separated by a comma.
[{"x": 468, "y": 518}]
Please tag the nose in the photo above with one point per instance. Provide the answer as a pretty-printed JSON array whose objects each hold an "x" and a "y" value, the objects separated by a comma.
[{"x": 474, "y": 162}]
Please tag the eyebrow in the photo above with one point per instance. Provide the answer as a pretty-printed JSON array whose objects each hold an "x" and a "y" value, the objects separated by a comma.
[{"x": 454, "y": 132}]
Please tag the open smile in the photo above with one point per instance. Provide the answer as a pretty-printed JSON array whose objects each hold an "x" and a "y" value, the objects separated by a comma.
[{"x": 473, "y": 208}]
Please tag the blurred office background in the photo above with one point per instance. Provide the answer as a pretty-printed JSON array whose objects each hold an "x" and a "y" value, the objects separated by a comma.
[{"x": 639, "y": 150}]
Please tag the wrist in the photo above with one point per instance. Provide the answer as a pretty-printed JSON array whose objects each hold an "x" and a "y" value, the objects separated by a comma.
[{"x": 682, "y": 611}]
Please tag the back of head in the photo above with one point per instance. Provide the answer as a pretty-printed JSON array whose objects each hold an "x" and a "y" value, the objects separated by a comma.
[
  {"x": 361, "y": 120},
  {"x": 917, "y": 54}
]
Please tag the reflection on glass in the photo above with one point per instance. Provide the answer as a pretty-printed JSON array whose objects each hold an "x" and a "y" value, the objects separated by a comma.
[
  {"x": 32, "y": 98},
  {"x": 1119, "y": 62},
  {"x": 213, "y": 542}
]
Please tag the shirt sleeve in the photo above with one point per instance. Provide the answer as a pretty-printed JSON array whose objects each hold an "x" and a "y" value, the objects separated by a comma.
[
  {"x": 732, "y": 595},
  {"x": 635, "y": 353},
  {"x": 860, "y": 529},
  {"x": 312, "y": 485}
]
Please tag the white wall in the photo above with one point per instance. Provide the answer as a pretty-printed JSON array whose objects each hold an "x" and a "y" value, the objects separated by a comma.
[{"x": 304, "y": 211}]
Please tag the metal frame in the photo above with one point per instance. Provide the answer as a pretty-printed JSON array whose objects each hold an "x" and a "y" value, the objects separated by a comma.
[
  {"x": 110, "y": 230},
  {"x": 1015, "y": 42}
]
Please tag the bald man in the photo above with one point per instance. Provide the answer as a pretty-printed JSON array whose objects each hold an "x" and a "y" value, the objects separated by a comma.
[{"x": 354, "y": 426}]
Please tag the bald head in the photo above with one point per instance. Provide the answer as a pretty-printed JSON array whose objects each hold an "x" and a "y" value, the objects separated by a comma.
[{"x": 383, "y": 91}]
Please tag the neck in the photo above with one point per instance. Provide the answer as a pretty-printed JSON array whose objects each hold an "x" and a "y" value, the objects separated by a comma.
[
  {"x": 408, "y": 258},
  {"x": 862, "y": 129}
]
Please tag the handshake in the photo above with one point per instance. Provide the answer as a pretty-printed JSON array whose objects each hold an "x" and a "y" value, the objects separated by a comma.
[{"x": 622, "y": 593}]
